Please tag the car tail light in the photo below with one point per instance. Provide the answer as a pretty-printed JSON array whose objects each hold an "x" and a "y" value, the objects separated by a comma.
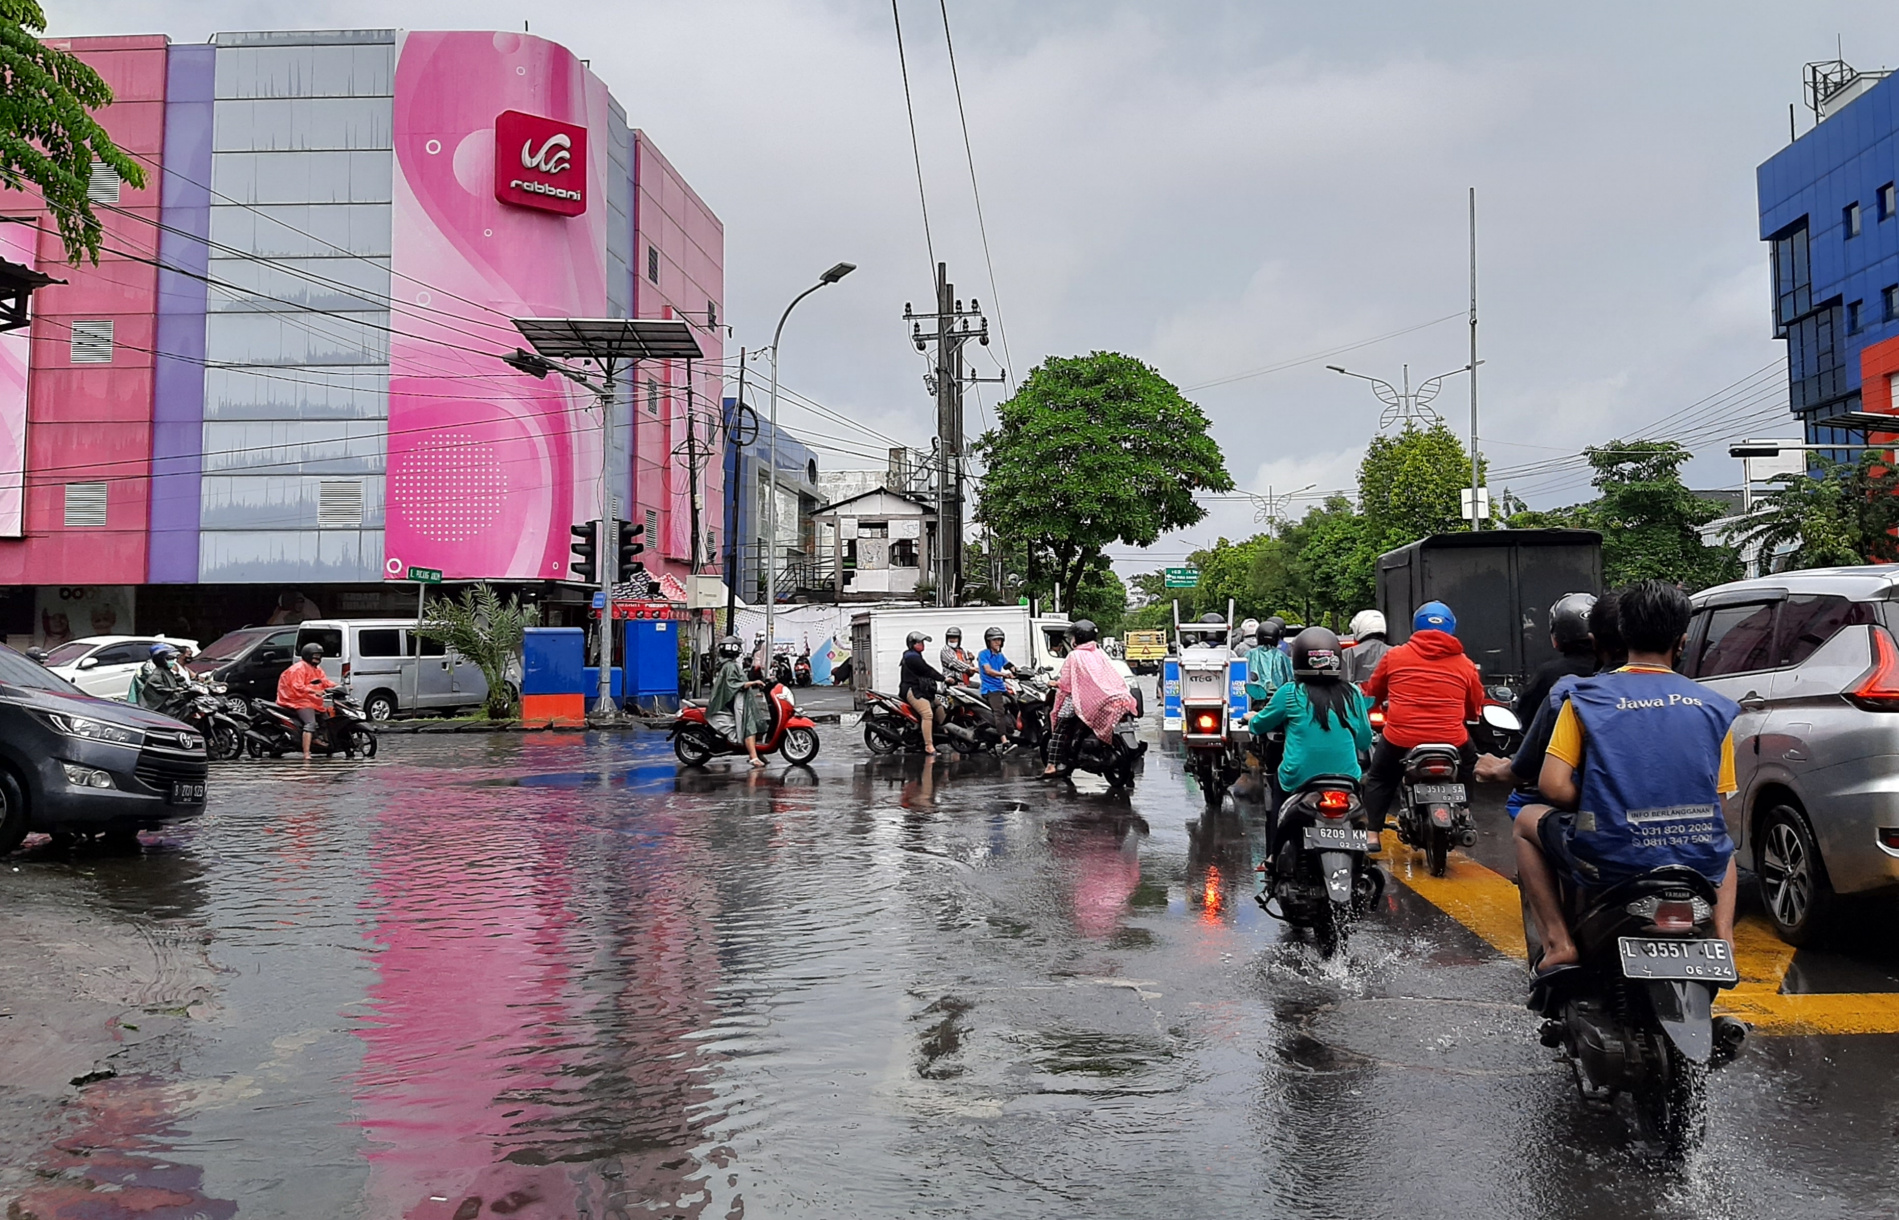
[
  {"x": 1335, "y": 802},
  {"x": 1878, "y": 689},
  {"x": 346, "y": 669},
  {"x": 1889, "y": 837}
]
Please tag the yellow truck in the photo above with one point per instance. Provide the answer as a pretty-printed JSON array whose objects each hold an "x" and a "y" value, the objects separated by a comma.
[{"x": 1145, "y": 650}]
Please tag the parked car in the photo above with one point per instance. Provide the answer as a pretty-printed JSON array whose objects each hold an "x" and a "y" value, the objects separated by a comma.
[
  {"x": 1811, "y": 658},
  {"x": 103, "y": 665},
  {"x": 379, "y": 663},
  {"x": 248, "y": 661},
  {"x": 71, "y": 763}
]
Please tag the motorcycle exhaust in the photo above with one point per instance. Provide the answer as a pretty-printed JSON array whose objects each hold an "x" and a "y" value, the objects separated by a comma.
[
  {"x": 1468, "y": 838},
  {"x": 960, "y": 733}
]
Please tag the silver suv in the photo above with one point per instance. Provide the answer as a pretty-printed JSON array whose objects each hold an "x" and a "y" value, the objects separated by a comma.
[{"x": 1812, "y": 660}]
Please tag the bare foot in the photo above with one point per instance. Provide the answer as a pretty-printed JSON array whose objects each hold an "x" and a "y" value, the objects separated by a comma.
[
  {"x": 1555, "y": 957},
  {"x": 758, "y": 762}
]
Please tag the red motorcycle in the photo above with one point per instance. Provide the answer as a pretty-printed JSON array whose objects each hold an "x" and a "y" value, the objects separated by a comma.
[
  {"x": 696, "y": 742},
  {"x": 890, "y": 724}
]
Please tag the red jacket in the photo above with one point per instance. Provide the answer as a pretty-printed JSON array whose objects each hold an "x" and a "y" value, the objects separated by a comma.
[
  {"x": 302, "y": 685},
  {"x": 1429, "y": 689}
]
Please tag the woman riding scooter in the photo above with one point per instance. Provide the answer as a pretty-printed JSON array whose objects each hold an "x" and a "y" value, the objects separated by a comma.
[
  {"x": 1324, "y": 716},
  {"x": 732, "y": 710}
]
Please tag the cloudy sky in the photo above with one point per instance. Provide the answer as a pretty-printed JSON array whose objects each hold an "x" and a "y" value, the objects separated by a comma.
[{"x": 1222, "y": 188}]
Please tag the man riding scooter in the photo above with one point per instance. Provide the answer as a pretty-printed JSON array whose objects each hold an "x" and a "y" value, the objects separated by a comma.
[
  {"x": 1369, "y": 647},
  {"x": 995, "y": 670},
  {"x": 301, "y": 690},
  {"x": 1091, "y": 696},
  {"x": 1430, "y": 690},
  {"x": 160, "y": 685},
  {"x": 731, "y": 709}
]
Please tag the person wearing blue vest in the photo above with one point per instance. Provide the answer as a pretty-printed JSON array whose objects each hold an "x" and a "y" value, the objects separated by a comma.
[{"x": 1635, "y": 770}]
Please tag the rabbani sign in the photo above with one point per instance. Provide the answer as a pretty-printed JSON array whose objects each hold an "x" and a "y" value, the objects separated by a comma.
[{"x": 540, "y": 163}]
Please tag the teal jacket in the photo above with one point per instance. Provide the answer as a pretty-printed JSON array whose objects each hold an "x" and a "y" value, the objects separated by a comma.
[
  {"x": 1311, "y": 750},
  {"x": 1267, "y": 669}
]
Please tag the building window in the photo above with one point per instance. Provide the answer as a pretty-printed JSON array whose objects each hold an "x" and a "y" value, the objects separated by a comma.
[
  {"x": 712, "y": 315},
  {"x": 1793, "y": 277},
  {"x": 1890, "y": 296},
  {"x": 652, "y": 263},
  {"x": 92, "y": 342},
  {"x": 85, "y": 506},
  {"x": 1888, "y": 201},
  {"x": 652, "y": 396},
  {"x": 1849, "y": 216},
  {"x": 1852, "y": 317}
]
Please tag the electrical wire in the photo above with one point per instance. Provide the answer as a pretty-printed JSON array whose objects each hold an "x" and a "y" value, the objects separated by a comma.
[
  {"x": 1296, "y": 361},
  {"x": 969, "y": 153},
  {"x": 916, "y": 149}
]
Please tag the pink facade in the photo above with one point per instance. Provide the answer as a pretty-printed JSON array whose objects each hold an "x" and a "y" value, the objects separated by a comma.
[{"x": 92, "y": 422}]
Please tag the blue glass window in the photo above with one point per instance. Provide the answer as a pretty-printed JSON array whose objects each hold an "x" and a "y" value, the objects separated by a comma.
[
  {"x": 1852, "y": 317},
  {"x": 1849, "y": 219}
]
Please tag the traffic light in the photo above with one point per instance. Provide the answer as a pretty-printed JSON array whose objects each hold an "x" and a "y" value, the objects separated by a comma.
[
  {"x": 585, "y": 566},
  {"x": 630, "y": 545}
]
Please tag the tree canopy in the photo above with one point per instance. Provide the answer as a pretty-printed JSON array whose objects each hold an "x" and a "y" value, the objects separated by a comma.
[
  {"x": 1094, "y": 450},
  {"x": 1411, "y": 485},
  {"x": 1838, "y": 514},
  {"x": 48, "y": 138}
]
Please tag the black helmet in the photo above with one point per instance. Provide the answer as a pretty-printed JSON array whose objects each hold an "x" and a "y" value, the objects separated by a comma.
[
  {"x": 915, "y": 638},
  {"x": 1316, "y": 655},
  {"x": 954, "y": 633},
  {"x": 312, "y": 652},
  {"x": 1211, "y": 617},
  {"x": 1569, "y": 620},
  {"x": 992, "y": 633},
  {"x": 1270, "y": 631},
  {"x": 730, "y": 646},
  {"x": 1082, "y": 631}
]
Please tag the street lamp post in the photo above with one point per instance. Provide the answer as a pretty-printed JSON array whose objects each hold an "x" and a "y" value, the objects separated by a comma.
[{"x": 832, "y": 276}]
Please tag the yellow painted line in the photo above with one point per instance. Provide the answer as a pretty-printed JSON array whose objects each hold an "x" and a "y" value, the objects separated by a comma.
[{"x": 1487, "y": 903}]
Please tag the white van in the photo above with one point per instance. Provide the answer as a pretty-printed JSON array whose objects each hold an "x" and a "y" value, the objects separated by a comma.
[{"x": 377, "y": 661}]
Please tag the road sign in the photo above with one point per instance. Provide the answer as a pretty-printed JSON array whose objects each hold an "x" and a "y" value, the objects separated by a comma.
[
  {"x": 599, "y": 600},
  {"x": 1483, "y": 503},
  {"x": 426, "y": 576},
  {"x": 1183, "y": 578}
]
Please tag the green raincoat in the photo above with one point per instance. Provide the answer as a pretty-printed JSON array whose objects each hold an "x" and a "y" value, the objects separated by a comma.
[{"x": 736, "y": 713}]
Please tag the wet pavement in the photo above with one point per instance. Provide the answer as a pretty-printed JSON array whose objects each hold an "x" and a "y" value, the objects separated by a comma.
[{"x": 549, "y": 975}]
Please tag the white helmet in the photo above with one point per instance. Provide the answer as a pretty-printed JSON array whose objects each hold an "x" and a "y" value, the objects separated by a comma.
[
  {"x": 1249, "y": 629},
  {"x": 1367, "y": 622}
]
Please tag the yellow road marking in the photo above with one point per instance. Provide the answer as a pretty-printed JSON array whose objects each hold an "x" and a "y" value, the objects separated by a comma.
[{"x": 1487, "y": 903}]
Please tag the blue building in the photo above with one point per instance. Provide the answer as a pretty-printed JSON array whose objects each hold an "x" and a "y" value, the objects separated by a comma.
[
  {"x": 748, "y": 485},
  {"x": 1829, "y": 211}
]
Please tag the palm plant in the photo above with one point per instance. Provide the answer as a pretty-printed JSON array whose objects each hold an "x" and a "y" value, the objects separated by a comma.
[
  {"x": 1838, "y": 514},
  {"x": 485, "y": 630}
]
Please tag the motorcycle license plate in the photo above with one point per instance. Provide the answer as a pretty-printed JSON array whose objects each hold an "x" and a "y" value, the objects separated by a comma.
[
  {"x": 1334, "y": 838},
  {"x": 1437, "y": 794},
  {"x": 1708, "y": 960},
  {"x": 185, "y": 792}
]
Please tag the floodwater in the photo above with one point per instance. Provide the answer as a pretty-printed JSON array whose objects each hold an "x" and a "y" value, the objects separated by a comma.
[{"x": 552, "y": 976}]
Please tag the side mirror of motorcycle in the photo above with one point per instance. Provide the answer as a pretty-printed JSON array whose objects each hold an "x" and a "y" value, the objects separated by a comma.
[{"x": 1500, "y": 717}]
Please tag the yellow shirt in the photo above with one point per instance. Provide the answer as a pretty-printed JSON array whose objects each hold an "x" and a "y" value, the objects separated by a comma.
[{"x": 1566, "y": 739}]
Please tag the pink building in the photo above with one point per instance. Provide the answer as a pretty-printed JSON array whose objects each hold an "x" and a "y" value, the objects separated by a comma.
[{"x": 306, "y": 391}]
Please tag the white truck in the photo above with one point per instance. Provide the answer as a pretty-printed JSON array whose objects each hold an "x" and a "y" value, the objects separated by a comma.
[{"x": 878, "y": 634}]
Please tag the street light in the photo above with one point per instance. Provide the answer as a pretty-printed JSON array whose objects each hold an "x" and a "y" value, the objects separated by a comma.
[{"x": 836, "y": 273}]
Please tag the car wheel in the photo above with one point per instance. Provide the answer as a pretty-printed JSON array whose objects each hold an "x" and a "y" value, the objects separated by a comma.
[
  {"x": 381, "y": 705},
  {"x": 12, "y": 813},
  {"x": 1793, "y": 881}
]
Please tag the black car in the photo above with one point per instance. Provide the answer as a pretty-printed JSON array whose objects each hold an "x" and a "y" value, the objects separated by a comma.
[
  {"x": 248, "y": 661},
  {"x": 73, "y": 764}
]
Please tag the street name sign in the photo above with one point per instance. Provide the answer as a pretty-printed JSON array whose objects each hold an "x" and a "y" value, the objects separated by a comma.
[{"x": 426, "y": 576}]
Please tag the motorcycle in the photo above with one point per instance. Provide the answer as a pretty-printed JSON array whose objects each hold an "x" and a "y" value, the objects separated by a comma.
[
  {"x": 1031, "y": 695},
  {"x": 1633, "y": 1016},
  {"x": 801, "y": 669},
  {"x": 1115, "y": 759},
  {"x": 341, "y": 728},
  {"x": 967, "y": 719},
  {"x": 1317, "y": 871},
  {"x": 890, "y": 724},
  {"x": 1213, "y": 757},
  {"x": 1433, "y": 804},
  {"x": 696, "y": 742},
  {"x": 782, "y": 671},
  {"x": 209, "y": 710},
  {"x": 1498, "y": 730}
]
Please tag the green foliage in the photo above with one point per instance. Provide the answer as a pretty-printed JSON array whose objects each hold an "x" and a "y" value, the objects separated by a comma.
[
  {"x": 1411, "y": 485},
  {"x": 1103, "y": 598},
  {"x": 47, "y": 137},
  {"x": 1841, "y": 516},
  {"x": 487, "y": 631},
  {"x": 1648, "y": 518},
  {"x": 1336, "y": 559},
  {"x": 1094, "y": 450}
]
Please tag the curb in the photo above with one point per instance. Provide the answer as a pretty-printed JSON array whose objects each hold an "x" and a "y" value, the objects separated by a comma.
[{"x": 437, "y": 728}]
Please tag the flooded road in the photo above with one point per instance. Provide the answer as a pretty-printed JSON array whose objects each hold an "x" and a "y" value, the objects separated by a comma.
[{"x": 549, "y": 976}]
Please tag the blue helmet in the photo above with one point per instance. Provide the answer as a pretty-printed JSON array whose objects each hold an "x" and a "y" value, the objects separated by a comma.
[
  {"x": 161, "y": 651},
  {"x": 1434, "y": 616}
]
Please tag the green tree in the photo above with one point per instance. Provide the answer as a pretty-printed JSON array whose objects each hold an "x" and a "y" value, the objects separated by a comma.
[
  {"x": 1093, "y": 450},
  {"x": 48, "y": 138},
  {"x": 1411, "y": 485},
  {"x": 1103, "y": 598},
  {"x": 1336, "y": 555},
  {"x": 1841, "y": 515},
  {"x": 487, "y": 631},
  {"x": 1649, "y": 520}
]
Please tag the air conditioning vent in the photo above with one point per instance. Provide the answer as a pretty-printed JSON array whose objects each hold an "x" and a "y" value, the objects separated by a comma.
[
  {"x": 103, "y": 185},
  {"x": 92, "y": 342},
  {"x": 651, "y": 538},
  {"x": 85, "y": 506},
  {"x": 340, "y": 504}
]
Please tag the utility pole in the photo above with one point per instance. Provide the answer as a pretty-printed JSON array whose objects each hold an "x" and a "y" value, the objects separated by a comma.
[
  {"x": 1476, "y": 490},
  {"x": 946, "y": 382},
  {"x": 736, "y": 438}
]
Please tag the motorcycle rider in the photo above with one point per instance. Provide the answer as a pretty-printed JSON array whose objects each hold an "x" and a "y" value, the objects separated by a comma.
[
  {"x": 1211, "y": 638},
  {"x": 958, "y": 666},
  {"x": 159, "y": 684},
  {"x": 1430, "y": 690},
  {"x": 1091, "y": 695},
  {"x": 1637, "y": 764},
  {"x": 730, "y": 708},
  {"x": 995, "y": 668},
  {"x": 301, "y": 689},
  {"x": 1369, "y": 647},
  {"x": 1569, "y": 635},
  {"x": 916, "y": 684},
  {"x": 1306, "y": 708},
  {"x": 1243, "y": 643},
  {"x": 1267, "y": 667}
]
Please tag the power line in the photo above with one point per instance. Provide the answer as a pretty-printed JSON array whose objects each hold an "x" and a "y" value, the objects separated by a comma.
[
  {"x": 976, "y": 193},
  {"x": 1317, "y": 356},
  {"x": 916, "y": 150}
]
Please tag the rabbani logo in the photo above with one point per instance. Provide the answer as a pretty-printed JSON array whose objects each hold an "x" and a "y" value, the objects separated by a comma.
[{"x": 552, "y": 160}]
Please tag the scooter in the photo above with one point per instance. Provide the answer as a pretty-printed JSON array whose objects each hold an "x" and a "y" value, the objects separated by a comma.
[
  {"x": 1115, "y": 759},
  {"x": 1317, "y": 871},
  {"x": 801, "y": 670},
  {"x": 967, "y": 719},
  {"x": 211, "y": 713},
  {"x": 1433, "y": 805},
  {"x": 1213, "y": 758},
  {"x": 341, "y": 728},
  {"x": 1633, "y": 1016},
  {"x": 696, "y": 742},
  {"x": 1031, "y": 695},
  {"x": 890, "y": 724}
]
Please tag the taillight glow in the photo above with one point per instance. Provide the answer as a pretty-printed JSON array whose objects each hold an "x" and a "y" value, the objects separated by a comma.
[
  {"x": 1378, "y": 718},
  {"x": 1206, "y": 722},
  {"x": 1436, "y": 769},
  {"x": 1878, "y": 691},
  {"x": 1335, "y": 800}
]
